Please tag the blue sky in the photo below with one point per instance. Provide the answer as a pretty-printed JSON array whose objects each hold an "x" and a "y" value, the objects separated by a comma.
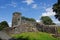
[{"x": 29, "y": 8}]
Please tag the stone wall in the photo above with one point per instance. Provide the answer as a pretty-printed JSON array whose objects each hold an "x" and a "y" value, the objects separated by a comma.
[
  {"x": 30, "y": 28},
  {"x": 25, "y": 27},
  {"x": 20, "y": 25},
  {"x": 47, "y": 28}
]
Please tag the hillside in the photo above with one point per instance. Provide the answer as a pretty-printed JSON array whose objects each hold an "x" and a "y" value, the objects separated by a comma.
[{"x": 34, "y": 36}]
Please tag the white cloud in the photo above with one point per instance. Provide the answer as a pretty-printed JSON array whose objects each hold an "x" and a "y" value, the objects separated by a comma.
[
  {"x": 55, "y": 20},
  {"x": 49, "y": 12},
  {"x": 34, "y": 6},
  {"x": 37, "y": 20},
  {"x": 28, "y": 2},
  {"x": 9, "y": 24},
  {"x": 13, "y": 4}
]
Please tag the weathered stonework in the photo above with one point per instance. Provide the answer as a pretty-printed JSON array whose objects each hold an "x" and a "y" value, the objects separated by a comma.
[
  {"x": 47, "y": 28},
  {"x": 21, "y": 25},
  {"x": 16, "y": 20}
]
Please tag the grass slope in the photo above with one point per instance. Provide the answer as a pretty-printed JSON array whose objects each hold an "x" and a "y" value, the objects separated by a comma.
[{"x": 34, "y": 36}]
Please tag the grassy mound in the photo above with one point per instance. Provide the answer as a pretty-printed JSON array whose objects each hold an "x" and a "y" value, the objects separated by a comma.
[{"x": 34, "y": 36}]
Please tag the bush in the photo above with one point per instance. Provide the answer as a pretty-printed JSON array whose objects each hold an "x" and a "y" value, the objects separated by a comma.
[{"x": 3, "y": 25}]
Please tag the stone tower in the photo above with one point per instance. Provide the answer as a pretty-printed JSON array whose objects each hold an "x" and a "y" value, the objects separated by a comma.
[{"x": 16, "y": 20}]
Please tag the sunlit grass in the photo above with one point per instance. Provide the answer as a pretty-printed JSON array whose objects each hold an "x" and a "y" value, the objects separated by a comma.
[{"x": 34, "y": 36}]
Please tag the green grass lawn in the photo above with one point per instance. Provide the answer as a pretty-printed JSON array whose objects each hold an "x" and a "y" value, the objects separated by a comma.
[{"x": 34, "y": 36}]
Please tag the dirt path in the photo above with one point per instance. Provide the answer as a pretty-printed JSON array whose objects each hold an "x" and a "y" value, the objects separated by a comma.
[{"x": 4, "y": 35}]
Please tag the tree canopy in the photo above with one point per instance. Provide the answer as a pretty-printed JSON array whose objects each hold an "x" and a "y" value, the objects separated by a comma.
[
  {"x": 47, "y": 20},
  {"x": 3, "y": 24},
  {"x": 28, "y": 19},
  {"x": 56, "y": 8}
]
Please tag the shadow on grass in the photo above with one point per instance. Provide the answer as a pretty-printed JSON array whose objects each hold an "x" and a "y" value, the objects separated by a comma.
[{"x": 20, "y": 38}]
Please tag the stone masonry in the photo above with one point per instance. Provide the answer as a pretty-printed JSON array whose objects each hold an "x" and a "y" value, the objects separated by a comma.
[{"x": 22, "y": 25}]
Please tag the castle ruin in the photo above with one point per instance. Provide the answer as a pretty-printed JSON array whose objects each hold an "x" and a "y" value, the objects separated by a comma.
[{"x": 22, "y": 25}]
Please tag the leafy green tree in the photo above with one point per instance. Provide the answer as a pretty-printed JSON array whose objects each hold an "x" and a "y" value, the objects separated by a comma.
[
  {"x": 56, "y": 8},
  {"x": 3, "y": 25},
  {"x": 32, "y": 19},
  {"x": 47, "y": 20},
  {"x": 0, "y": 27},
  {"x": 28, "y": 19}
]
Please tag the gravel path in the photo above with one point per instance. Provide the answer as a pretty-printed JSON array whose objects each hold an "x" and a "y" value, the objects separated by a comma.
[{"x": 4, "y": 35}]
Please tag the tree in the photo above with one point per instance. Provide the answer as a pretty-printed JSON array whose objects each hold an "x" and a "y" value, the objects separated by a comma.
[
  {"x": 28, "y": 19},
  {"x": 0, "y": 27},
  {"x": 32, "y": 19},
  {"x": 56, "y": 8},
  {"x": 47, "y": 20},
  {"x": 3, "y": 25}
]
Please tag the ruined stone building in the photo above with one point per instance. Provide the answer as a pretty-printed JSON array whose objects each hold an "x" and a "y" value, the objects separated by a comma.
[{"x": 22, "y": 25}]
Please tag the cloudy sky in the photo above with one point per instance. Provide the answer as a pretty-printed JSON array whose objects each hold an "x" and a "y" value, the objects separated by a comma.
[{"x": 29, "y": 8}]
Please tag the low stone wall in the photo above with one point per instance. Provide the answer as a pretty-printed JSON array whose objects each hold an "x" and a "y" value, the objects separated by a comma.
[
  {"x": 31, "y": 28},
  {"x": 47, "y": 28},
  {"x": 24, "y": 28},
  {"x": 21, "y": 28},
  {"x": 50, "y": 29}
]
